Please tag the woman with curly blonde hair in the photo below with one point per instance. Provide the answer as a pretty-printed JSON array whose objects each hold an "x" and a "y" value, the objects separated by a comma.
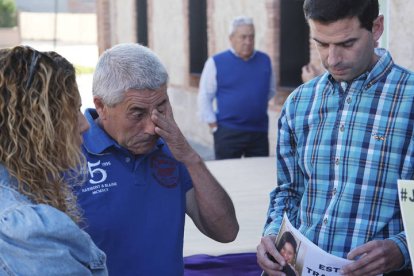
[{"x": 40, "y": 159}]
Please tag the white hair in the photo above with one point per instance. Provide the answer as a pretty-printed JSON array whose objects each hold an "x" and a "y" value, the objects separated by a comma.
[
  {"x": 239, "y": 21},
  {"x": 127, "y": 66}
]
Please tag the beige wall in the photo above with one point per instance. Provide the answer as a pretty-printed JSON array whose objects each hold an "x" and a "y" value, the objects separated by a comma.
[
  {"x": 168, "y": 30},
  {"x": 122, "y": 18},
  {"x": 9, "y": 37},
  {"x": 168, "y": 37},
  {"x": 224, "y": 11},
  {"x": 70, "y": 27},
  {"x": 400, "y": 32}
]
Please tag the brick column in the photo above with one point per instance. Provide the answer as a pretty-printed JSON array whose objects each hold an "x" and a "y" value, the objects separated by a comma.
[{"x": 103, "y": 25}]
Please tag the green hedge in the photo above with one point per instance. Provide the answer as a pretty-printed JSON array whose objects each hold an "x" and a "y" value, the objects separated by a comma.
[{"x": 8, "y": 14}]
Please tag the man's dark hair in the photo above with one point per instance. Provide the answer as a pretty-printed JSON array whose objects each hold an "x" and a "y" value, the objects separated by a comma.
[{"x": 328, "y": 11}]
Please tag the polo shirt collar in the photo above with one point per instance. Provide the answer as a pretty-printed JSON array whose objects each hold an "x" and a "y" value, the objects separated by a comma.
[{"x": 95, "y": 139}]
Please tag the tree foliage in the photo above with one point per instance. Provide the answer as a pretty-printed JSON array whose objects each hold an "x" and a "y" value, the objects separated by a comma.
[{"x": 8, "y": 13}]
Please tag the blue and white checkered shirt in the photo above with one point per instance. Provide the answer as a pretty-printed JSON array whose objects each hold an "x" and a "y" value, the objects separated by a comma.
[{"x": 340, "y": 152}]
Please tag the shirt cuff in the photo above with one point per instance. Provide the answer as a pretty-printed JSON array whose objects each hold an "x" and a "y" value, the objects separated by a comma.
[{"x": 401, "y": 242}]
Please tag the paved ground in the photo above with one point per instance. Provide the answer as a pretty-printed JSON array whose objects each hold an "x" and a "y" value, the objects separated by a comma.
[{"x": 249, "y": 182}]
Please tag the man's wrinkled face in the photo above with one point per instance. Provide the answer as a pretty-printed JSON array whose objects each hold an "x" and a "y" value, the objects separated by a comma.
[
  {"x": 242, "y": 41},
  {"x": 346, "y": 48},
  {"x": 129, "y": 122}
]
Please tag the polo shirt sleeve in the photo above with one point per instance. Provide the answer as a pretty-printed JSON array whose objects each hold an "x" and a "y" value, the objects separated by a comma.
[
  {"x": 186, "y": 179},
  {"x": 41, "y": 240}
]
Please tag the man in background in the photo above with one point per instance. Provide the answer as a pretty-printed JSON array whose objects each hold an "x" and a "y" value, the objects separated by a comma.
[{"x": 242, "y": 82}]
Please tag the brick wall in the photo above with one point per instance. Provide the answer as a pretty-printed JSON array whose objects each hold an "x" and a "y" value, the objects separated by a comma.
[
  {"x": 104, "y": 25},
  {"x": 167, "y": 31}
]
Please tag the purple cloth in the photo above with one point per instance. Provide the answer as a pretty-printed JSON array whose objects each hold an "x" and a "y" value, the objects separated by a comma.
[{"x": 225, "y": 265}]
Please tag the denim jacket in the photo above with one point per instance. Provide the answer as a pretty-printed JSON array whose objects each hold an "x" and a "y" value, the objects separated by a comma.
[{"x": 37, "y": 239}]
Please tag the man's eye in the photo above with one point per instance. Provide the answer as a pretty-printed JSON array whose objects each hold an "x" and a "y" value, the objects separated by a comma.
[
  {"x": 322, "y": 45},
  {"x": 137, "y": 114},
  {"x": 347, "y": 44},
  {"x": 162, "y": 108}
]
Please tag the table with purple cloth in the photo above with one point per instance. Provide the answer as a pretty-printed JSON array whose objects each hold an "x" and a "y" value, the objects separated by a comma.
[{"x": 248, "y": 182}]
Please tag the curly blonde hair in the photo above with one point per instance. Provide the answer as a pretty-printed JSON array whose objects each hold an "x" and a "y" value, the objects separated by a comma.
[{"x": 39, "y": 141}]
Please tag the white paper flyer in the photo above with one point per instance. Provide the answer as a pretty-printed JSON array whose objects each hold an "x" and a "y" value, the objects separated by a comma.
[{"x": 306, "y": 258}]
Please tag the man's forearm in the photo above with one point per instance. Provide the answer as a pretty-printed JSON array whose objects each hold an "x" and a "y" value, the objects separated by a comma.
[{"x": 215, "y": 207}]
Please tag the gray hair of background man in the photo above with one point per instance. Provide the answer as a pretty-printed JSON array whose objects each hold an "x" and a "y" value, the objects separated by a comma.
[
  {"x": 127, "y": 66},
  {"x": 240, "y": 21}
]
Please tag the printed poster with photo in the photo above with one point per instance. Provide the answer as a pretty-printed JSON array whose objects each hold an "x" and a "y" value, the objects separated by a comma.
[{"x": 303, "y": 256}]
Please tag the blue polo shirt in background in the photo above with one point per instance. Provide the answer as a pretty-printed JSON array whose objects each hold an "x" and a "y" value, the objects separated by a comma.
[{"x": 134, "y": 206}]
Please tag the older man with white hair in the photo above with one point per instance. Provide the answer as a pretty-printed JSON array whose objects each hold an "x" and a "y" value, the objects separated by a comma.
[
  {"x": 143, "y": 176},
  {"x": 242, "y": 82}
]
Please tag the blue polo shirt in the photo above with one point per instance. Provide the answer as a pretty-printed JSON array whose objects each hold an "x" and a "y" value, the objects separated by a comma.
[{"x": 134, "y": 206}]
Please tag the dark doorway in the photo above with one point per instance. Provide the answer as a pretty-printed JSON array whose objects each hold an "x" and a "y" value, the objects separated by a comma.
[
  {"x": 142, "y": 22},
  {"x": 294, "y": 43},
  {"x": 198, "y": 35}
]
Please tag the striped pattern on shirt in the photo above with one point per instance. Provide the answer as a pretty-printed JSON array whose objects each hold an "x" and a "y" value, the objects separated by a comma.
[{"x": 340, "y": 152}]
